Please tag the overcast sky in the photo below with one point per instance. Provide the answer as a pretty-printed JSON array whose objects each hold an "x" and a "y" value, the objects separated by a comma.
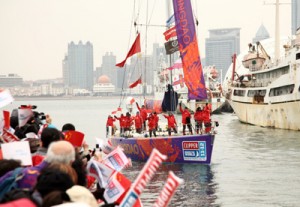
[{"x": 34, "y": 34}]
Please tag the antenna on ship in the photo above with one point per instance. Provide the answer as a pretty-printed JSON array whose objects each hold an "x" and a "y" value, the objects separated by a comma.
[{"x": 277, "y": 29}]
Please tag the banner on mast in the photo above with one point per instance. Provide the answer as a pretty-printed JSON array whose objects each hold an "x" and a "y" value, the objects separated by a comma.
[{"x": 188, "y": 47}]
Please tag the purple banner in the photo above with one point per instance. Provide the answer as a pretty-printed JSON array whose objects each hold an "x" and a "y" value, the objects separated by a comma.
[{"x": 188, "y": 47}]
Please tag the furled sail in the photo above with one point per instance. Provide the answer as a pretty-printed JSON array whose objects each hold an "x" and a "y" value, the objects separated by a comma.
[
  {"x": 170, "y": 100},
  {"x": 188, "y": 47}
]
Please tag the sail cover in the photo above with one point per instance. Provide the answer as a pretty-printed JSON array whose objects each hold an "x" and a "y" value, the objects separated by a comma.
[
  {"x": 188, "y": 47},
  {"x": 170, "y": 100}
]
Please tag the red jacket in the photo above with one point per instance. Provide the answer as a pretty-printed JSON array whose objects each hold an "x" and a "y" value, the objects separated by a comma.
[
  {"x": 171, "y": 121},
  {"x": 198, "y": 116},
  {"x": 185, "y": 113},
  {"x": 122, "y": 120},
  {"x": 138, "y": 120},
  {"x": 110, "y": 121},
  {"x": 143, "y": 112},
  {"x": 206, "y": 115},
  {"x": 128, "y": 121},
  {"x": 151, "y": 122},
  {"x": 156, "y": 119}
]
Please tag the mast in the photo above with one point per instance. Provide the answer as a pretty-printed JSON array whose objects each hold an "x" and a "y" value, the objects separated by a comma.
[
  {"x": 277, "y": 34},
  {"x": 172, "y": 99},
  {"x": 144, "y": 71}
]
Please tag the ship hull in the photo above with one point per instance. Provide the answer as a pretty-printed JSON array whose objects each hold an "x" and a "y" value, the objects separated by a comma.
[
  {"x": 283, "y": 115},
  {"x": 178, "y": 149}
]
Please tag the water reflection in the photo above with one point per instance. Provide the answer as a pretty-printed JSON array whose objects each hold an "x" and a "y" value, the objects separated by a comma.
[{"x": 199, "y": 188}]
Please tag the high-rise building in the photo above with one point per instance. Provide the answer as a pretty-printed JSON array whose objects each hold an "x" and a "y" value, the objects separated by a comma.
[
  {"x": 261, "y": 34},
  {"x": 295, "y": 15},
  {"x": 109, "y": 68},
  {"x": 78, "y": 66},
  {"x": 220, "y": 46}
]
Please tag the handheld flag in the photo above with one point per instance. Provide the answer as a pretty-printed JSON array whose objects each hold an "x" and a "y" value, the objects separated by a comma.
[
  {"x": 116, "y": 159},
  {"x": 138, "y": 81},
  {"x": 148, "y": 171},
  {"x": 135, "y": 48},
  {"x": 74, "y": 137},
  {"x": 100, "y": 171},
  {"x": 7, "y": 136},
  {"x": 6, "y": 116},
  {"x": 168, "y": 191},
  {"x": 118, "y": 109},
  {"x": 116, "y": 188},
  {"x": 5, "y": 97}
]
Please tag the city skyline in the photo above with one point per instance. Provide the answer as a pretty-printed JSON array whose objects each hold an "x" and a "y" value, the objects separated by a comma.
[{"x": 35, "y": 35}]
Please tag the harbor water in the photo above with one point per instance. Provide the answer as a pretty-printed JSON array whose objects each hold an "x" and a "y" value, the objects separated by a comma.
[{"x": 251, "y": 165}]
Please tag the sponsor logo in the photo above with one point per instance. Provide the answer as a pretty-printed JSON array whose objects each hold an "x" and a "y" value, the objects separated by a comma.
[{"x": 194, "y": 150}]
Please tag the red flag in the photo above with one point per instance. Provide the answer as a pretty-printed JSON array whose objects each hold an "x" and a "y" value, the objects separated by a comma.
[
  {"x": 139, "y": 81},
  {"x": 170, "y": 33},
  {"x": 6, "y": 116},
  {"x": 118, "y": 109},
  {"x": 74, "y": 137},
  {"x": 135, "y": 48}
]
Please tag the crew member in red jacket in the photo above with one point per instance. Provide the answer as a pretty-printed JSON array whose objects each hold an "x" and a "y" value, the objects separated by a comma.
[
  {"x": 186, "y": 119},
  {"x": 122, "y": 120},
  {"x": 198, "y": 116},
  {"x": 143, "y": 112},
  {"x": 110, "y": 123},
  {"x": 206, "y": 118},
  {"x": 128, "y": 122},
  {"x": 152, "y": 125},
  {"x": 172, "y": 124},
  {"x": 156, "y": 118},
  {"x": 138, "y": 122}
]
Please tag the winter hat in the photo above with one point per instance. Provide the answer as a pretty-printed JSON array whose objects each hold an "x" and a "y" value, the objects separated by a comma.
[{"x": 80, "y": 194}]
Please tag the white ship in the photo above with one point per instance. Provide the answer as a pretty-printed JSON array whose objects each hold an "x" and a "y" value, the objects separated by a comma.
[{"x": 266, "y": 92}]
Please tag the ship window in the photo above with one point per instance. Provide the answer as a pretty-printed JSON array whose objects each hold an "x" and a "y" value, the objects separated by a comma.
[
  {"x": 283, "y": 90},
  {"x": 239, "y": 92},
  {"x": 297, "y": 56},
  {"x": 252, "y": 93}
]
